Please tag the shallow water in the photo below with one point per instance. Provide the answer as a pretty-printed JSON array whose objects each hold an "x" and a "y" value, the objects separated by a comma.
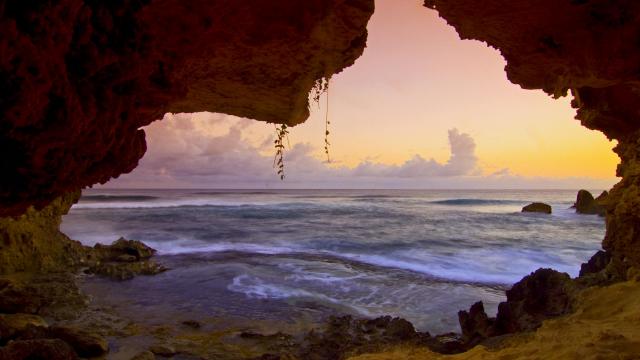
[{"x": 288, "y": 255}]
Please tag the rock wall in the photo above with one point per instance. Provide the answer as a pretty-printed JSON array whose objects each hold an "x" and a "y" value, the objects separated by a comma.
[
  {"x": 34, "y": 243},
  {"x": 79, "y": 78},
  {"x": 589, "y": 48}
]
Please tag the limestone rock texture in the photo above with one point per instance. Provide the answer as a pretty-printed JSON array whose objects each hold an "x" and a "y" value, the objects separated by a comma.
[
  {"x": 33, "y": 242},
  {"x": 79, "y": 78},
  {"x": 589, "y": 48}
]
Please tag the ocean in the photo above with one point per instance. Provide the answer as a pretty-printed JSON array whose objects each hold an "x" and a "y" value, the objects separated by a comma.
[{"x": 302, "y": 255}]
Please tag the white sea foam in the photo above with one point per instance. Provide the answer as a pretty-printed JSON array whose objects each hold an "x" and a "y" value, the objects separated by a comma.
[
  {"x": 163, "y": 203},
  {"x": 185, "y": 246}
]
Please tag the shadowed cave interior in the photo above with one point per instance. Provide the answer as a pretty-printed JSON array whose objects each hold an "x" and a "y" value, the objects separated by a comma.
[{"x": 79, "y": 79}]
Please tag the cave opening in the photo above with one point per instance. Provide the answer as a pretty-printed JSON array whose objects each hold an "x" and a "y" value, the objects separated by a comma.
[
  {"x": 507, "y": 147},
  {"x": 400, "y": 223}
]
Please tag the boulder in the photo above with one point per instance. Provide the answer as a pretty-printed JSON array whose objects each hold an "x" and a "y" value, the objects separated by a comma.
[
  {"x": 543, "y": 294},
  {"x": 84, "y": 343},
  {"x": 586, "y": 204},
  {"x": 123, "y": 249},
  {"x": 123, "y": 260},
  {"x": 49, "y": 349},
  {"x": 537, "y": 207},
  {"x": 540, "y": 295},
  {"x": 12, "y": 325}
]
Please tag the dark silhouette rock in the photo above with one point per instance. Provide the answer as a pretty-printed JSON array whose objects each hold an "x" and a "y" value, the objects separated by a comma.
[
  {"x": 543, "y": 294},
  {"x": 597, "y": 263},
  {"x": 586, "y": 204},
  {"x": 537, "y": 207},
  {"x": 475, "y": 324}
]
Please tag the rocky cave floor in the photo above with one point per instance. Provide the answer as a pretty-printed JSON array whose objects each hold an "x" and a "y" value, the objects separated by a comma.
[{"x": 48, "y": 316}]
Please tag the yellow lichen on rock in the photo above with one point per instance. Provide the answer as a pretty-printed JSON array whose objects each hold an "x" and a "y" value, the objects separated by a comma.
[
  {"x": 606, "y": 325},
  {"x": 33, "y": 242}
]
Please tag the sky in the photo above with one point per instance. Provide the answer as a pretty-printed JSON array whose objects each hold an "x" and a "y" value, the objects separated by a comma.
[{"x": 420, "y": 109}]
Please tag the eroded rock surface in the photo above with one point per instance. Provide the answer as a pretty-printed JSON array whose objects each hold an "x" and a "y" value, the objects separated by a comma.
[
  {"x": 123, "y": 260},
  {"x": 78, "y": 78},
  {"x": 34, "y": 243}
]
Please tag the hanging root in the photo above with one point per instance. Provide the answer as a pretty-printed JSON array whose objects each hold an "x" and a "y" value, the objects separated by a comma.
[{"x": 278, "y": 160}]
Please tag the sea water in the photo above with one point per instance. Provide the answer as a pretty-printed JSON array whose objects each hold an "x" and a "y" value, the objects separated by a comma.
[{"x": 287, "y": 254}]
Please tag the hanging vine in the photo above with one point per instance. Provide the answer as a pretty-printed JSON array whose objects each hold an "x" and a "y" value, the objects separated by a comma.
[
  {"x": 278, "y": 160},
  {"x": 320, "y": 87},
  {"x": 326, "y": 125}
]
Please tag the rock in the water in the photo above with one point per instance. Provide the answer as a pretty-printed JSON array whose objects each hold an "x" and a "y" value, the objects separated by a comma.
[
  {"x": 121, "y": 247},
  {"x": 49, "y": 349},
  {"x": 84, "y": 343},
  {"x": 586, "y": 204},
  {"x": 192, "y": 324},
  {"x": 537, "y": 207},
  {"x": 123, "y": 260}
]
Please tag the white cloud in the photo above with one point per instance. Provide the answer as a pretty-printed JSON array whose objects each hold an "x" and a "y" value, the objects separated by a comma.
[
  {"x": 463, "y": 162},
  {"x": 212, "y": 150}
]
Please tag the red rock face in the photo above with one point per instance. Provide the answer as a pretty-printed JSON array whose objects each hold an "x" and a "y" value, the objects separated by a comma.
[
  {"x": 588, "y": 47},
  {"x": 78, "y": 78}
]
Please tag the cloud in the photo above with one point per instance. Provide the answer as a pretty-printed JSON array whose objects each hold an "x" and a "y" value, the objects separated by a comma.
[
  {"x": 463, "y": 162},
  {"x": 215, "y": 151}
]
